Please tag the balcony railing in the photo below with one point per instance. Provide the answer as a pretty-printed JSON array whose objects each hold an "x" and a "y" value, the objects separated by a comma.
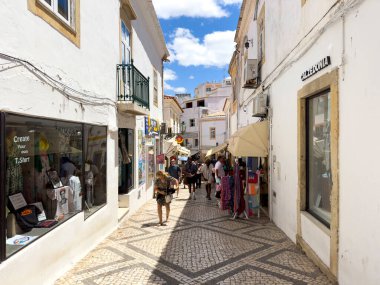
[{"x": 132, "y": 86}]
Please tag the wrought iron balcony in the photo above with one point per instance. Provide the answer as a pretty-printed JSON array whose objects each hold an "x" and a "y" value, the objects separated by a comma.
[{"x": 132, "y": 85}]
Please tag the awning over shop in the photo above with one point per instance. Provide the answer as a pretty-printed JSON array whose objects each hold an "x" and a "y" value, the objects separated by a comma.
[
  {"x": 251, "y": 140},
  {"x": 183, "y": 151},
  {"x": 216, "y": 149},
  {"x": 171, "y": 147}
]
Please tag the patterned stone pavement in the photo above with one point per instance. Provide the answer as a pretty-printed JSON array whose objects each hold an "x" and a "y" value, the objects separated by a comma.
[{"x": 199, "y": 245}]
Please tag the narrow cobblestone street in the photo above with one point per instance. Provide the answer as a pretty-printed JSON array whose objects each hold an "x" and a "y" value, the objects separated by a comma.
[{"x": 199, "y": 245}]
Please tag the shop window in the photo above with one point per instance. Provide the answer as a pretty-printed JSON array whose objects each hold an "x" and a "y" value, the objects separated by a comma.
[
  {"x": 126, "y": 160},
  {"x": 95, "y": 168},
  {"x": 53, "y": 170},
  {"x": 189, "y": 105},
  {"x": 43, "y": 175},
  {"x": 151, "y": 164},
  {"x": 212, "y": 133},
  {"x": 318, "y": 159},
  {"x": 192, "y": 122}
]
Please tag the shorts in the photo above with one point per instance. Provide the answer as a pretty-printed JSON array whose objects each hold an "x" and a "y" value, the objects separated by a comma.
[{"x": 190, "y": 180}]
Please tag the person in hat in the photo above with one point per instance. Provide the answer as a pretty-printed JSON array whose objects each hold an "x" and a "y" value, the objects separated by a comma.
[{"x": 175, "y": 171}]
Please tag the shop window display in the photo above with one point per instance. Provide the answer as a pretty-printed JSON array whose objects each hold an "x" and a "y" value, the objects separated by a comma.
[
  {"x": 95, "y": 168},
  {"x": 319, "y": 178},
  {"x": 53, "y": 170}
]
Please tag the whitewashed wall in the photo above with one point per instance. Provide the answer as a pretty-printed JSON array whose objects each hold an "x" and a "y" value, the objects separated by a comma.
[
  {"x": 220, "y": 130},
  {"x": 90, "y": 68},
  {"x": 354, "y": 42}
]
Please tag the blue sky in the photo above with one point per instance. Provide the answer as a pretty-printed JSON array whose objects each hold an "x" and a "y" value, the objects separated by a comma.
[{"x": 200, "y": 37}]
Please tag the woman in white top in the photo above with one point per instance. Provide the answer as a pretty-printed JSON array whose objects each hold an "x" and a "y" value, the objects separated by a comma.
[{"x": 207, "y": 176}]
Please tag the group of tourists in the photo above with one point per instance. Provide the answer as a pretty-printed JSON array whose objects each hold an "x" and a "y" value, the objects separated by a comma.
[{"x": 191, "y": 175}]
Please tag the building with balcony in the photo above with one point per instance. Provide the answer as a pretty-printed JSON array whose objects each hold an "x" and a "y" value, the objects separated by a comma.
[
  {"x": 139, "y": 101},
  {"x": 73, "y": 108}
]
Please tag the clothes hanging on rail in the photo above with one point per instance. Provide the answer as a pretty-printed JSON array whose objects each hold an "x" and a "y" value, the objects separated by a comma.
[
  {"x": 239, "y": 178},
  {"x": 226, "y": 193}
]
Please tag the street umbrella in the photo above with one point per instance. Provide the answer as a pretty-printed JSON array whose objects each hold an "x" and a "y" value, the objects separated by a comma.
[{"x": 251, "y": 141}]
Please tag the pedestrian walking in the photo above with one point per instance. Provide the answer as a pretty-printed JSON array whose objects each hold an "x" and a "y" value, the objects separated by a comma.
[
  {"x": 175, "y": 171},
  {"x": 164, "y": 187},
  {"x": 190, "y": 176},
  {"x": 207, "y": 174},
  {"x": 199, "y": 176},
  {"x": 219, "y": 174}
]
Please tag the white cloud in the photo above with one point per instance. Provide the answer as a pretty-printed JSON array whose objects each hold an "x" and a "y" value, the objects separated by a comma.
[
  {"x": 215, "y": 50},
  {"x": 169, "y": 75},
  {"x": 167, "y": 9},
  {"x": 231, "y": 2},
  {"x": 191, "y": 77},
  {"x": 175, "y": 89}
]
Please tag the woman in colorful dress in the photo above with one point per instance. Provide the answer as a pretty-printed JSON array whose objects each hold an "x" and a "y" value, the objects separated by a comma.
[{"x": 162, "y": 186}]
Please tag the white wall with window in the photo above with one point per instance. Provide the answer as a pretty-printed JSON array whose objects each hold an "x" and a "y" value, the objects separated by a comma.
[
  {"x": 351, "y": 260},
  {"x": 212, "y": 132}
]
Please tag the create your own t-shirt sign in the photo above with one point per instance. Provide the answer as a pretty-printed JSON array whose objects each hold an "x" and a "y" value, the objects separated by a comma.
[{"x": 22, "y": 148}]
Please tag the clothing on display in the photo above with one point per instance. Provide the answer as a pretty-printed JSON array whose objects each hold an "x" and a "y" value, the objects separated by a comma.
[
  {"x": 225, "y": 195},
  {"x": 64, "y": 198},
  {"x": 74, "y": 183},
  {"x": 239, "y": 178}
]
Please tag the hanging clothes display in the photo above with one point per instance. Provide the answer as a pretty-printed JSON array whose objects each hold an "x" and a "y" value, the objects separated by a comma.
[
  {"x": 239, "y": 178},
  {"x": 225, "y": 193}
]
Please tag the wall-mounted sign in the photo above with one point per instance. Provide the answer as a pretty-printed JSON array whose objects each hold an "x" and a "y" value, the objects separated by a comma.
[
  {"x": 179, "y": 139},
  {"x": 151, "y": 126},
  {"x": 316, "y": 68}
]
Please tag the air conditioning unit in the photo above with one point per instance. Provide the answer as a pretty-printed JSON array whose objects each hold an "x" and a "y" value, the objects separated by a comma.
[
  {"x": 260, "y": 104},
  {"x": 205, "y": 112},
  {"x": 250, "y": 73}
]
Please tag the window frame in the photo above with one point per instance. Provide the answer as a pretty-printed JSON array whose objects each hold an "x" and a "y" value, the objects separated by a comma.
[
  {"x": 70, "y": 29},
  {"x": 329, "y": 80},
  {"x": 2, "y": 189},
  {"x": 308, "y": 101},
  {"x": 212, "y": 129},
  {"x": 3, "y": 155},
  {"x": 192, "y": 123},
  {"x": 125, "y": 45},
  {"x": 54, "y": 10},
  {"x": 199, "y": 103},
  {"x": 155, "y": 87}
]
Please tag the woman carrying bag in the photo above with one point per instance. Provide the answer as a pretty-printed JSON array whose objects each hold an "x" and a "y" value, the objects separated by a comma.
[{"x": 164, "y": 187}]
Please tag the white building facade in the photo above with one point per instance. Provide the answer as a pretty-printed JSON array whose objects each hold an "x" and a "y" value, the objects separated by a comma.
[
  {"x": 318, "y": 70},
  {"x": 172, "y": 114},
  {"x": 204, "y": 117},
  {"x": 60, "y": 122}
]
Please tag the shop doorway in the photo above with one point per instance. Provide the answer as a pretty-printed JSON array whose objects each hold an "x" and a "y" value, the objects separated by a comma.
[{"x": 126, "y": 161}]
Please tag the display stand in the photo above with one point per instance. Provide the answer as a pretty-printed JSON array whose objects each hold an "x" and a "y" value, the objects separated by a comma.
[{"x": 253, "y": 191}]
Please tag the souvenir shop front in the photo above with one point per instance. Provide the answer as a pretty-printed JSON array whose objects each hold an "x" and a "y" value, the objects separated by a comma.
[
  {"x": 245, "y": 189},
  {"x": 50, "y": 172}
]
